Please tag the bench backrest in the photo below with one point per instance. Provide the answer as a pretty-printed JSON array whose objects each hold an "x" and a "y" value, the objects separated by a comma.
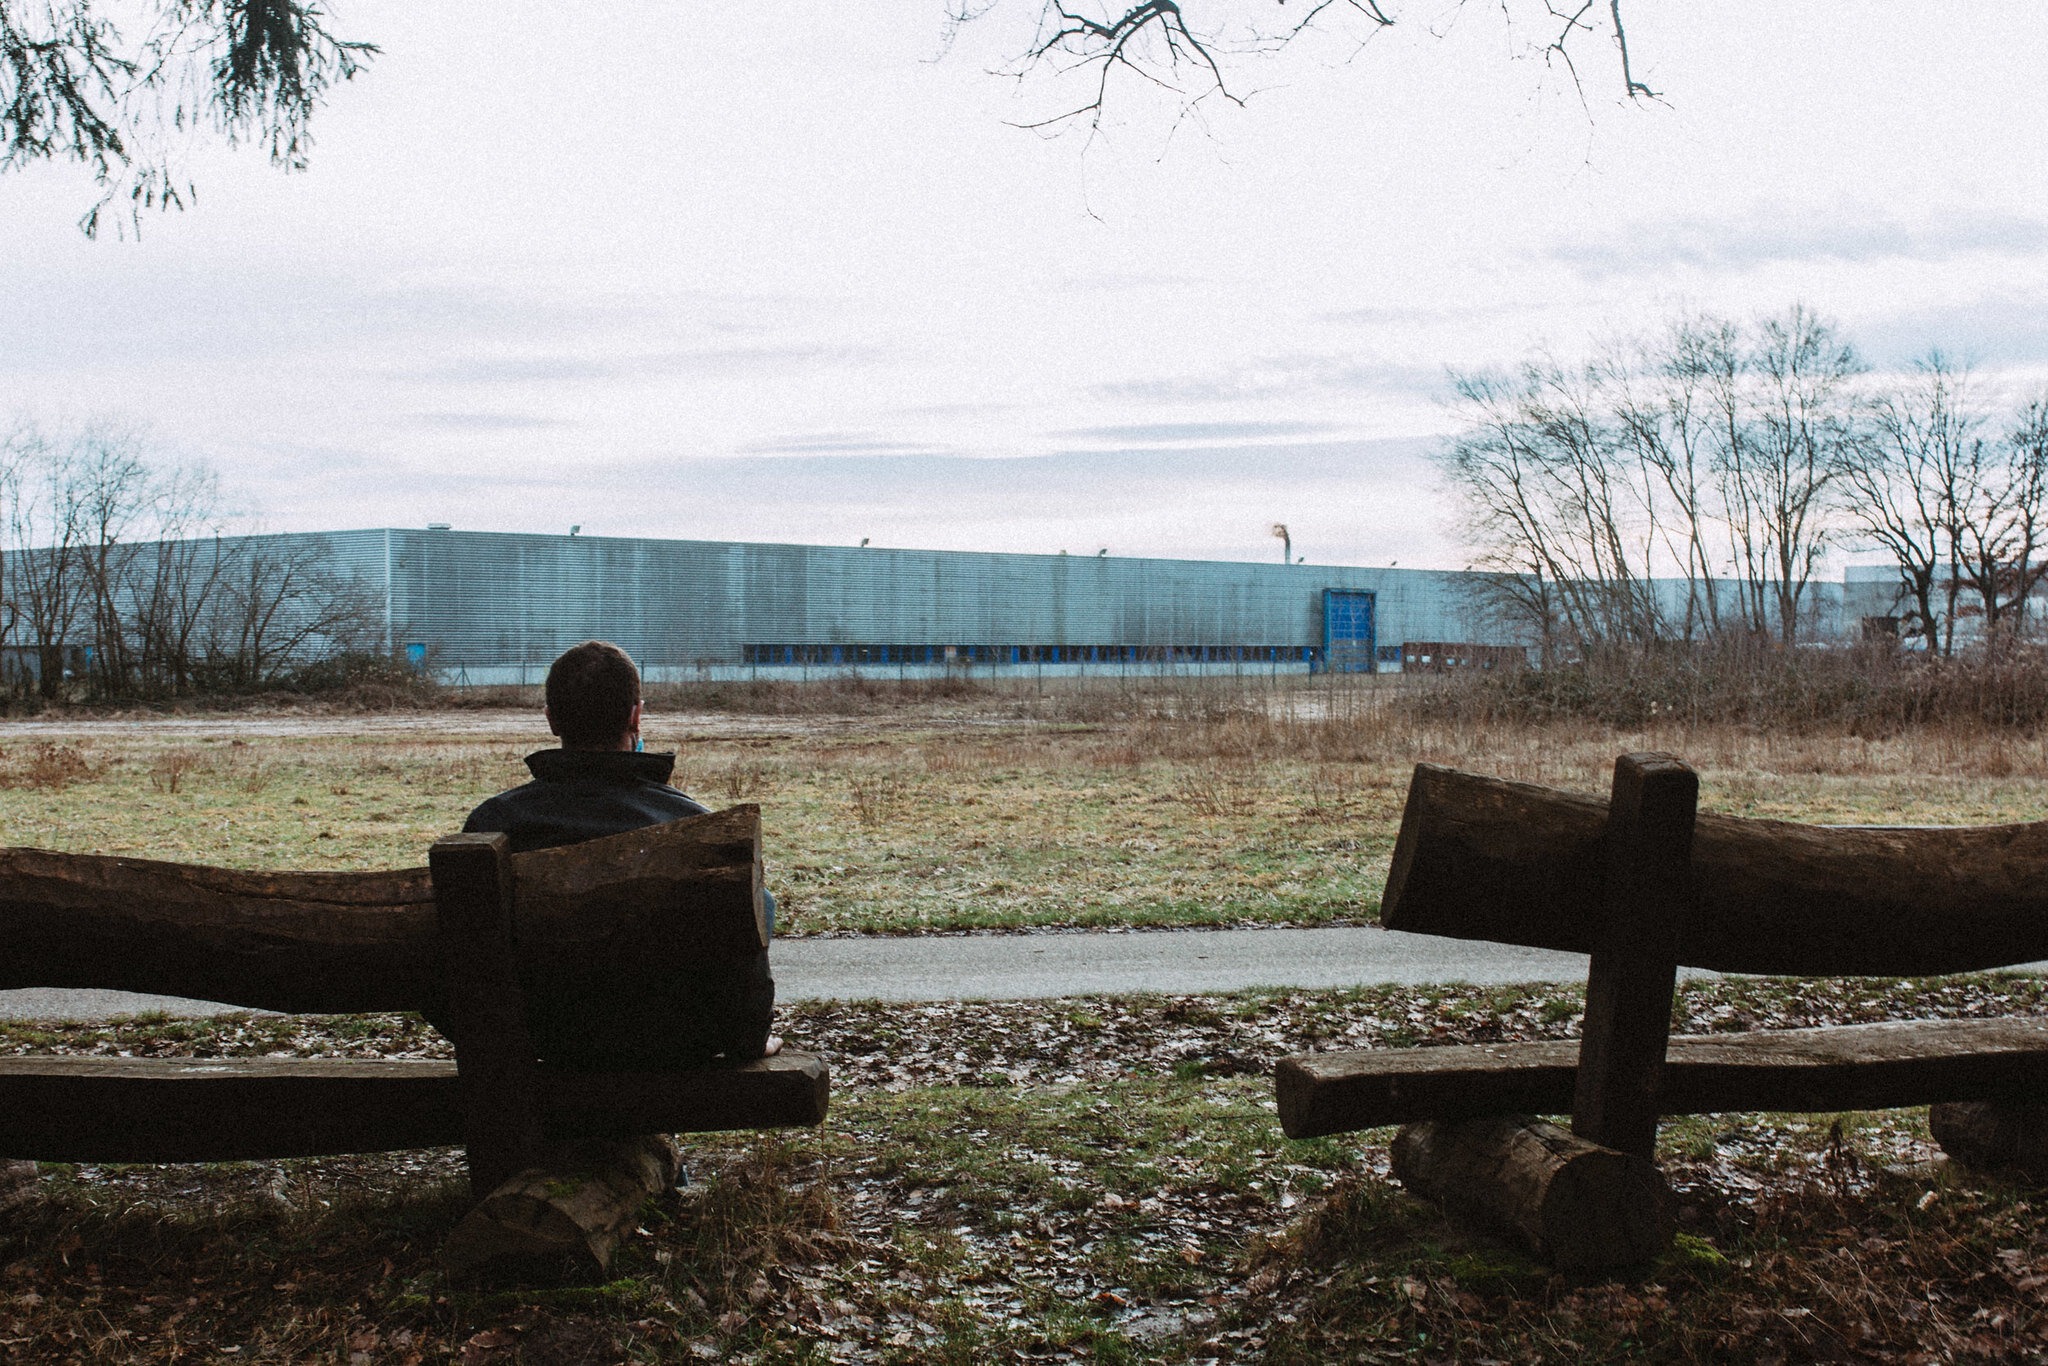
[
  {"x": 1513, "y": 863},
  {"x": 347, "y": 942}
]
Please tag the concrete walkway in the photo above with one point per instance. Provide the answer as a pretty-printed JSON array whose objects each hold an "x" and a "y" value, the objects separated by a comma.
[{"x": 1036, "y": 966}]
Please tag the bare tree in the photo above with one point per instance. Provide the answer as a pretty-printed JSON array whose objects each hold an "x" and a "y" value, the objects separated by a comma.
[
  {"x": 15, "y": 445},
  {"x": 108, "y": 488},
  {"x": 173, "y": 582},
  {"x": 1784, "y": 422},
  {"x": 116, "y": 571},
  {"x": 2026, "y": 454},
  {"x": 45, "y": 557},
  {"x": 1664, "y": 414},
  {"x": 1564, "y": 522},
  {"x": 278, "y": 608},
  {"x": 1907, "y": 485},
  {"x": 2000, "y": 524},
  {"x": 1607, "y": 496}
]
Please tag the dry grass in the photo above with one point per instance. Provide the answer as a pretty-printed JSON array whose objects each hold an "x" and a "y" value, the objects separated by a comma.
[
  {"x": 1871, "y": 689},
  {"x": 1216, "y": 806}
]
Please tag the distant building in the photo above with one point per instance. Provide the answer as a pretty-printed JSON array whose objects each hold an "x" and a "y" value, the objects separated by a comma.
[{"x": 493, "y": 607}]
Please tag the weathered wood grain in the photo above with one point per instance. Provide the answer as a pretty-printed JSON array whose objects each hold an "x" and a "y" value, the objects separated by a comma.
[
  {"x": 314, "y": 942},
  {"x": 789, "y": 1090},
  {"x": 1845, "y": 1067},
  {"x": 1581, "y": 1207},
  {"x": 342, "y": 942},
  {"x": 494, "y": 1055},
  {"x": 82, "y": 1109},
  {"x": 1482, "y": 858},
  {"x": 568, "y": 1208},
  {"x": 1634, "y": 968},
  {"x": 91, "y": 1109}
]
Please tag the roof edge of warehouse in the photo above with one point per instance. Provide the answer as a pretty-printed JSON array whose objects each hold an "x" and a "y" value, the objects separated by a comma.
[{"x": 439, "y": 529}]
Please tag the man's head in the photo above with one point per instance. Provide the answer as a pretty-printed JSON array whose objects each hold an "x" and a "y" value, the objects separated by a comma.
[{"x": 593, "y": 697}]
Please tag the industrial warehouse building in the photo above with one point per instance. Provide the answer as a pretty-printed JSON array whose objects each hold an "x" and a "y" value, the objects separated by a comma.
[{"x": 490, "y": 607}]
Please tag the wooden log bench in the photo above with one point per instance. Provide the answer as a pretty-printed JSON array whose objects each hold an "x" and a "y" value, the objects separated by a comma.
[
  {"x": 474, "y": 939},
  {"x": 1645, "y": 885}
]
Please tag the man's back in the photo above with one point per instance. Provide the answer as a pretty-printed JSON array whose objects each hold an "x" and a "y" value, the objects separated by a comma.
[{"x": 579, "y": 794}]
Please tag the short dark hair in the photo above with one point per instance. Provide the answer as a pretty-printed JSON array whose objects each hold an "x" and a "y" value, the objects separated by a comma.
[{"x": 591, "y": 692}]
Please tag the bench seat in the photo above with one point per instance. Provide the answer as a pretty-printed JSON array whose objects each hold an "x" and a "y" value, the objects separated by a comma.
[
  {"x": 98, "y": 1109},
  {"x": 1841, "y": 1067}
]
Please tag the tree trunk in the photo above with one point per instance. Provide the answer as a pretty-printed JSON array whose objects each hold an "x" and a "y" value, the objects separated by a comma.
[
  {"x": 1991, "y": 1135},
  {"x": 566, "y": 1211},
  {"x": 1578, "y": 1206}
]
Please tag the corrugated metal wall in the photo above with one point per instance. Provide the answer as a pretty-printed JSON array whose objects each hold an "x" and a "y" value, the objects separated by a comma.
[{"x": 488, "y": 600}]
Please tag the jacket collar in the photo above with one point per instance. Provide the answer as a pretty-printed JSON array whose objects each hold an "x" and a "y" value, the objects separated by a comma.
[{"x": 600, "y": 765}]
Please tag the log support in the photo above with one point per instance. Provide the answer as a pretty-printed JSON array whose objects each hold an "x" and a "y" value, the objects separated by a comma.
[
  {"x": 1994, "y": 1136},
  {"x": 1580, "y": 1207},
  {"x": 566, "y": 1212}
]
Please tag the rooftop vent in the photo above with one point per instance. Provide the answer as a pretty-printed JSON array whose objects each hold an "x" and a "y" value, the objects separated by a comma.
[{"x": 440, "y": 526}]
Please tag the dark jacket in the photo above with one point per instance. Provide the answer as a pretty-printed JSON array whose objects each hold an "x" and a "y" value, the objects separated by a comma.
[
  {"x": 682, "y": 1019},
  {"x": 580, "y": 794}
]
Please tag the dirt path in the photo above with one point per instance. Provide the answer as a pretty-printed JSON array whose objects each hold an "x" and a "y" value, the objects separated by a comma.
[{"x": 513, "y": 723}]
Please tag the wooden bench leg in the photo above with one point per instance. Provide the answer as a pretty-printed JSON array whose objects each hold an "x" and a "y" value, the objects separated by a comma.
[
  {"x": 1993, "y": 1135},
  {"x": 487, "y": 1018},
  {"x": 1634, "y": 968}
]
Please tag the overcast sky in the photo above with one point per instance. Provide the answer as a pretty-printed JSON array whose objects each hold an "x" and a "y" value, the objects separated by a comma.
[{"x": 787, "y": 272}]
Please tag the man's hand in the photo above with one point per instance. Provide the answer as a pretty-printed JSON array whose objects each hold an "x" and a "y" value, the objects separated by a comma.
[{"x": 773, "y": 1046}]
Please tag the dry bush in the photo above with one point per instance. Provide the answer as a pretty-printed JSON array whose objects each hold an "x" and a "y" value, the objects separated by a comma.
[
  {"x": 763, "y": 1216},
  {"x": 1216, "y": 788},
  {"x": 1330, "y": 789},
  {"x": 1868, "y": 690},
  {"x": 952, "y": 757},
  {"x": 847, "y": 694},
  {"x": 746, "y": 776},
  {"x": 168, "y": 770},
  {"x": 877, "y": 796},
  {"x": 48, "y": 765}
]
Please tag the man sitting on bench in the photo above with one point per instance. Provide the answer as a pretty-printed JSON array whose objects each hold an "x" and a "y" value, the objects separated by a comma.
[{"x": 601, "y": 782}]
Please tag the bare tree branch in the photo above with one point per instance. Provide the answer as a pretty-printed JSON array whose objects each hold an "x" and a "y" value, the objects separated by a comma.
[{"x": 1630, "y": 85}]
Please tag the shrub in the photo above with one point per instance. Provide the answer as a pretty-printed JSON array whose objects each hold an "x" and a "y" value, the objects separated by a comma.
[{"x": 1869, "y": 689}]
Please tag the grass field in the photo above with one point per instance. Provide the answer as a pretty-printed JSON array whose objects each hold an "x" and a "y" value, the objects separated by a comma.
[{"x": 1210, "y": 809}]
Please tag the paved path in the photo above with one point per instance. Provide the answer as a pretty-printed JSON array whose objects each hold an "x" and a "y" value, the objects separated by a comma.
[
  {"x": 1032, "y": 966},
  {"x": 1028, "y": 966}
]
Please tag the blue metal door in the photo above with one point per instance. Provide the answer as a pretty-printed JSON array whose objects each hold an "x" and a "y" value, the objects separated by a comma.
[{"x": 1348, "y": 637}]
